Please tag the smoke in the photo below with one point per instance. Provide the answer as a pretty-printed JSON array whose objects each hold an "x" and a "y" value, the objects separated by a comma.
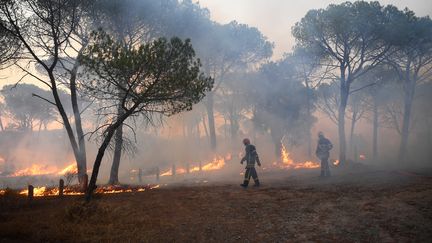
[{"x": 266, "y": 104}]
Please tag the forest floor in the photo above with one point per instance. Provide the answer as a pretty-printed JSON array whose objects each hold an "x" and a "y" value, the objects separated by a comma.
[{"x": 366, "y": 205}]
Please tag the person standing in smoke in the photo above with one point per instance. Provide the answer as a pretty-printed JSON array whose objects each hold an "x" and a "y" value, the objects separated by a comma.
[
  {"x": 323, "y": 153},
  {"x": 251, "y": 156}
]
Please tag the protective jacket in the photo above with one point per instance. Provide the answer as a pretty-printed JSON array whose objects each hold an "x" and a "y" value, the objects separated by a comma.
[
  {"x": 251, "y": 156},
  {"x": 323, "y": 148}
]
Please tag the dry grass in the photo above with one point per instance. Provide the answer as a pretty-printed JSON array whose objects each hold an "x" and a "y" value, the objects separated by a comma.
[{"x": 367, "y": 206}]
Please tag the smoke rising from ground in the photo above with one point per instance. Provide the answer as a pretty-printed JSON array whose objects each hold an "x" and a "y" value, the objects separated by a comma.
[{"x": 253, "y": 97}]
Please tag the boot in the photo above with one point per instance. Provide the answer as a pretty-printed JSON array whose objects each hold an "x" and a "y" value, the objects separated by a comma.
[
  {"x": 257, "y": 183},
  {"x": 245, "y": 184}
]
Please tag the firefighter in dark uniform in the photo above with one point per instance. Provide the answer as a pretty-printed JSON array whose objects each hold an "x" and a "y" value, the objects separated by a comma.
[
  {"x": 251, "y": 156},
  {"x": 323, "y": 153}
]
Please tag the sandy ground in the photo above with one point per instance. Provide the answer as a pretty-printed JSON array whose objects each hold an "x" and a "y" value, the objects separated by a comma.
[{"x": 355, "y": 205}]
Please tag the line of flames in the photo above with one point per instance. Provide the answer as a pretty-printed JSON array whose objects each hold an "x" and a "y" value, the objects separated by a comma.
[
  {"x": 217, "y": 163},
  {"x": 40, "y": 169},
  {"x": 45, "y": 191}
]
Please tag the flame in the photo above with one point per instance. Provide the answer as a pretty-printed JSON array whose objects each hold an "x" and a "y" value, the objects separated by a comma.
[
  {"x": 70, "y": 169},
  {"x": 112, "y": 190},
  {"x": 336, "y": 162},
  {"x": 288, "y": 162},
  {"x": 35, "y": 169},
  {"x": 181, "y": 171},
  {"x": 44, "y": 191},
  {"x": 217, "y": 163},
  {"x": 167, "y": 173},
  {"x": 37, "y": 191},
  {"x": 362, "y": 157},
  {"x": 2, "y": 192},
  {"x": 40, "y": 169},
  {"x": 307, "y": 165}
]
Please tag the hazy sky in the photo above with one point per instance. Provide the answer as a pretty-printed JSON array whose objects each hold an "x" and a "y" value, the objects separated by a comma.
[{"x": 275, "y": 18}]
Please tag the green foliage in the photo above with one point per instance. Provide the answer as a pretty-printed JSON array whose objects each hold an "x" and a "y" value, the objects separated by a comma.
[
  {"x": 350, "y": 34},
  {"x": 24, "y": 108},
  {"x": 161, "y": 76}
]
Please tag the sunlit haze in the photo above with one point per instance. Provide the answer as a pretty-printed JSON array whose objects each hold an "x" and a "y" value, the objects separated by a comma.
[{"x": 276, "y": 17}]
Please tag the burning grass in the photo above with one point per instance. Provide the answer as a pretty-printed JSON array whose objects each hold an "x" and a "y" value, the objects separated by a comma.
[
  {"x": 355, "y": 205},
  {"x": 39, "y": 169},
  {"x": 288, "y": 163},
  {"x": 217, "y": 163},
  {"x": 44, "y": 191}
]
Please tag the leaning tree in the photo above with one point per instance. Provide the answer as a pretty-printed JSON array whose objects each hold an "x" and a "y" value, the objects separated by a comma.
[
  {"x": 158, "y": 77},
  {"x": 352, "y": 37},
  {"x": 44, "y": 30}
]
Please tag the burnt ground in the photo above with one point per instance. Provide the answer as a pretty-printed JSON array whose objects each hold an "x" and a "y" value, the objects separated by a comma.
[{"x": 367, "y": 205}]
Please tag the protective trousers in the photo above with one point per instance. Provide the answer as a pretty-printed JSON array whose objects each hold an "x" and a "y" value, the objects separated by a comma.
[
  {"x": 251, "y": 172},
  {"x": 325, "y": 169}
]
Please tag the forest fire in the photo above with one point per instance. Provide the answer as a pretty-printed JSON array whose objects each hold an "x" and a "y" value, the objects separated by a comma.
[
  {"x": 44, "y": 191},
  {"x": 288, "y": 162},
  {"x": 217, "y": 163},
  {"x": 35, "y": 170},
  {"x": 102, "y": 102},
  {"x": 70, "y": 169},
  {"x": 41, "y": 169}
]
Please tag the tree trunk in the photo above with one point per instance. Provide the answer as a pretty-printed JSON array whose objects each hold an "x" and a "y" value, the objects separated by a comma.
[
  {"x": 205, "y": 127},
  {"x": 64, "y": 117},
  {"x": 234, "y": 127},
  {"x": 184, "y": 128},
  {"x": 118, "y": 140},
  {"x": 375, "y": 131},
  {"x": 277, "y": 141},
  {"x": 353, "y": 123},
  {"x": 409, "y": 96},
  {"x": 1, "y": 124},
  {"x": 211, "y": 120},
  {"x": 82, "y": 157},
  {"x": 198, "y": 130},
  {"x": 309, "y": 108},
  {"x": 341, "y": 124},
  {"x": 101, "y": 151},
  {"x": 40, "y": 127},
  {"x": 98, "y": 160}
]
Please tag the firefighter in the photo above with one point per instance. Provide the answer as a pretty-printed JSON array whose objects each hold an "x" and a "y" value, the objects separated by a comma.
[
  {"x": 323, "y": 153},
  {"x": 251, "y": 156}
]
